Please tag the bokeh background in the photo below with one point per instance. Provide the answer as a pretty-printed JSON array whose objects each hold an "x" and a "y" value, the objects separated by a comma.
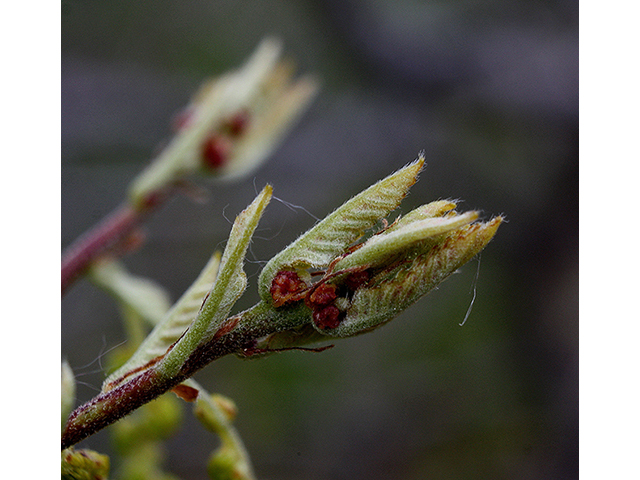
[{"x": 489, "y": 90}]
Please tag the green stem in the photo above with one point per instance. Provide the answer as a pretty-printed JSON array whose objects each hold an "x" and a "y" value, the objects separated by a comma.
[{"x": 214, "y": 418}]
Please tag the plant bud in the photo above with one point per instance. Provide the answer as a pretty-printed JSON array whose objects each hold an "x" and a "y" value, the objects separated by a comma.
[{"x": 367, "y": 284}]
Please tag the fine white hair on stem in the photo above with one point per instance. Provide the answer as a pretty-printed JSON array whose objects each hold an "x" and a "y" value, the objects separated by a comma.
[
  {"x": 224, "y": 214},
  {"x": 294, "y": 207},
  {"x": 475, "y": 291},
  {"x": 103, "y": 352}
]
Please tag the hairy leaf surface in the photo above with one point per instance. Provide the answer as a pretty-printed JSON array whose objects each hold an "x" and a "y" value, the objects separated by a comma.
[{"x": 330, "y": 238}]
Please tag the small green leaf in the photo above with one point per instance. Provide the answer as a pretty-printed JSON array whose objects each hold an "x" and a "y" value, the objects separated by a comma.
[
  {"x": 202, "y": 308},
  {"x": 174, "y": 323},
  {"x": 319, "y": 246},
  {"x": 430, "y": 210},
  {"x": 216, "y": 101},
  {"x": 229, "y": 285},
  {"x": 142, "y": 295},
  {"x": 395, "y": 288},
  {"x": 380, "y": 248}
]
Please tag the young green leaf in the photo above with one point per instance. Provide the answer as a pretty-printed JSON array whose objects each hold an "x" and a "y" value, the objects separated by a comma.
[
  {"x": 319, "y": 246},
  {"x": 380, "y": 248},
  {"x": 430, "y": 210},
  {"x": 216, "y": 101},
  {"x": 400, "y": 285},
  {"x": 229, "y": 285},
  {"x": 142, "y": 295},
  {"x": 174, "y": 323}
]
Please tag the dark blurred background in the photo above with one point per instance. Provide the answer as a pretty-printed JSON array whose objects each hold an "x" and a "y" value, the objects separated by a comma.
[{"x": 489, "y": 90}]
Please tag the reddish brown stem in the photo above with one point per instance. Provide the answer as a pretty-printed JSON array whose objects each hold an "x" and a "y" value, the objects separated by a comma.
[
  {"x": 104, "y": 236},
  {"x": 108, "y": 407},
  {"x": 107, "y": 236}
]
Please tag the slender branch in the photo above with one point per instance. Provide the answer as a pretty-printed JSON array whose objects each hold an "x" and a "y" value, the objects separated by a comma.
[
  {"x": 79, "y": 255},
  {"x": 263, "y": 90},
  {"x": 110, "y": 406},
  {"x": 401, "y": 264},
  {"x": 106, "y": 236}
]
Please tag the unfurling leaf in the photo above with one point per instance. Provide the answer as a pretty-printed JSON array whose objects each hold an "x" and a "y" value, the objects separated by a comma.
[
  {"x": 363, "y": 286},
  {"x": 201, "y": 311},
  {"x": 173, "y": 325},
  {"x": 228, "y": 287},
  {"x": 143, "y": 296},
  {"x": 380, "y": 248},
  {"x": 232, "y": 125},
  {"x": 395, "y": 288},
  {"x": 327, "y": 240}
]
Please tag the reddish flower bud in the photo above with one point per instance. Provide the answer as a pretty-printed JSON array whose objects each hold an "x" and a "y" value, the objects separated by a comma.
[
  {"x": 285, "y": 287},
  {"x": 322, "y": 295},
  {"x": 327, "y": 318},
  {"x": 238, "y": 124},
  {"x": 215, "y": 151},
  {"x": 356, "y": 280}
]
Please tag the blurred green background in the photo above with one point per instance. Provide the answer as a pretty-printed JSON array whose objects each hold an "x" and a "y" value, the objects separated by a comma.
[{"x": 489, "y": 89}]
